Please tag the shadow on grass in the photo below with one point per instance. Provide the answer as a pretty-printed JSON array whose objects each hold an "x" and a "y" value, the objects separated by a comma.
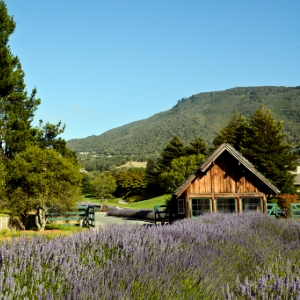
[
  {"x": 90, "y": 196},
  {"x": 67, "y": 228}
]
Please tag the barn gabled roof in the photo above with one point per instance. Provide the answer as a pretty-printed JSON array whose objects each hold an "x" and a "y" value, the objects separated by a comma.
[{"x": 211, "y": 159}]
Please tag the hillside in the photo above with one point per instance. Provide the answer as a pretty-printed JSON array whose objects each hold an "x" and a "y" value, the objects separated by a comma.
[{"x": 202, "y": 115}]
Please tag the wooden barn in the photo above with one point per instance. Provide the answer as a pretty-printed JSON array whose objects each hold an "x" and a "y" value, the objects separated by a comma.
[{"x": 225, "y": 182}]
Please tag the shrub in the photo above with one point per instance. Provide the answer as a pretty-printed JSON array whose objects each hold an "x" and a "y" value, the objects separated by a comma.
[
  {"x": 285, "y": 200},
  {"x": 135, "y": 198}
]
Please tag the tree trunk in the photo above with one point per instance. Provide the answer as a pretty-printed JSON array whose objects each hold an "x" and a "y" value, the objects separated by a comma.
[
  {"x": 17, "y": 222},
  {"x": 40, "y": 218}
]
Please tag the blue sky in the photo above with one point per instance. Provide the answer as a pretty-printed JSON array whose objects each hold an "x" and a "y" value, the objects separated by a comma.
[{"x": 100, "y": 64}]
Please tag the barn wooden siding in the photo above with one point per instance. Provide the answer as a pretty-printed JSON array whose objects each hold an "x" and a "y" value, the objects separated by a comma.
[
  {"x": 226, "y": 178},
  {"x": 224, "y": 174}
]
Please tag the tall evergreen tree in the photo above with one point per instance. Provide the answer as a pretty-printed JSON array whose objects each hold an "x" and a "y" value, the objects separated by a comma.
[
  {"x": 235, "y": 133},
  {"x": 261, "y": 140},
  {"x": 198, "y": 146},
  {"x": 152, "y": 176},
  {"x": 174, "y": 149},
  {"x": 39, "y": 169},
  {"x": 268, "y": 150},
  {"x": 8, "y": 62},
  {"x": 16, "y": 107},
  {"x": 47, "y": 136}
]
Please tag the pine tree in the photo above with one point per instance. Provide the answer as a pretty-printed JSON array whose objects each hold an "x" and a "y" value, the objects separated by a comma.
[
  {"x": 198, "y": 146},
  {"x": 174, "y": 149},
  {"x": 152, "y": 176},
  {"x": 47, "y": 136},
  {"x": 39, "y": 170},
  {"x": 16, "y": 107},
  {"x": 235, "y": 133},
  {"x": 261, "y": 140},
  {"x": 7, "y": 61},
  {"x": 268, "y": 150}
]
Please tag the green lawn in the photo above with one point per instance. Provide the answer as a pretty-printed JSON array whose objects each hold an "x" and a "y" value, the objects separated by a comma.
[
  {"x": 50, "y": 232},
  {"x": 145, "y": 204},
  {"x": 4, "y": 212}
]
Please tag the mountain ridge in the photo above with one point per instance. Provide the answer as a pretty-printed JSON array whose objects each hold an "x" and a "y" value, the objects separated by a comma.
[{"x": 202, "y": 114}]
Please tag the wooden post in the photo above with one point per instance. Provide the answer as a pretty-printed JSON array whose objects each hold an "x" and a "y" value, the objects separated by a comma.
[
  {"x": 264, "y": 208},
  {"x": 185, "y": 205},
  {"x": 213, "y": 200}
]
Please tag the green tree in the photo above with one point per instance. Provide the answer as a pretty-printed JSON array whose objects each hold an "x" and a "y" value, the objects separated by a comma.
[
  {"x": 47, "y": 136},
  {"x": 40, "y": 178},
  {"x": 103, "y": 185},
  {"x": 174, "y": 149},
  {"x": 152, "y": 176},
  {"x": 160, "y": 173},
  {"x": 198, "y": 146},
  {"x": 261, "y": 140},
  {"x": 16, "y": 107},
  {"x": 130, "y": 181},
  {"x": 268, "y": 151},
  {"x": 8, "y": 62},
  {"x": 179, "y": 171},
  {"x": 86, "y": 184},
  {"x": 235, "y": 133}
]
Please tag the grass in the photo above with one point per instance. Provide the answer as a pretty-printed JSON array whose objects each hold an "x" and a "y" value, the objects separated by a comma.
[
  {"x": 145, "y": 204},
  {"x": 6, "y": 234},
  {"x": 4, "y": 212},
  {"x": 64, "y": 228},
  {"x": 134, "y": 164},
  {"x": 51, "y": 231},
  {"x": 148, "y": 204}
]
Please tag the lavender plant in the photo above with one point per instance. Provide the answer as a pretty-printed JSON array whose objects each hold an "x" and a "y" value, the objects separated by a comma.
[
  {"x": 141, "y": 214},
  {"x": 190, "y": 259},
  {"x": 280, "y": 280}
]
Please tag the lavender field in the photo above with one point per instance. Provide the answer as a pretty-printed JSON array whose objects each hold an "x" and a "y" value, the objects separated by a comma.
[{"x": 216, "y": 256}]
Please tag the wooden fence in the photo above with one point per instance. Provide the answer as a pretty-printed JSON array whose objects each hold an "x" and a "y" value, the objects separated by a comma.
[
  {"x": 272, "y": 209},
  {"x": 295, "y": 210},
  {"x": 161, "y": 214},
  {"x": 83, "y": 215}
]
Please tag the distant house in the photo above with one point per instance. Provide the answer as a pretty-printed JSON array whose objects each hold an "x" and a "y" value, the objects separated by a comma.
[
  {"x": 297, "y": 178},
  {"x": 225, "y": 182}
]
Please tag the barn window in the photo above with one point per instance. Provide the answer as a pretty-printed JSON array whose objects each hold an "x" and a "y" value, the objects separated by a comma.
[
  {"x": 226, "y": 205},
  {"x": 200, "y": 206},
  {"x": 252, "y": 203},
  {"x": 181, "y": 206}
]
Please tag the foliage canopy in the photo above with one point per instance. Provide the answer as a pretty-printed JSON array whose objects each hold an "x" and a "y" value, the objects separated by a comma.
[
  {"x": 38, "y": 169},
  {"x": 262, "y": 141},
  {"x": 102, "y": 184},
  {"x": 40, "y": 178}
]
